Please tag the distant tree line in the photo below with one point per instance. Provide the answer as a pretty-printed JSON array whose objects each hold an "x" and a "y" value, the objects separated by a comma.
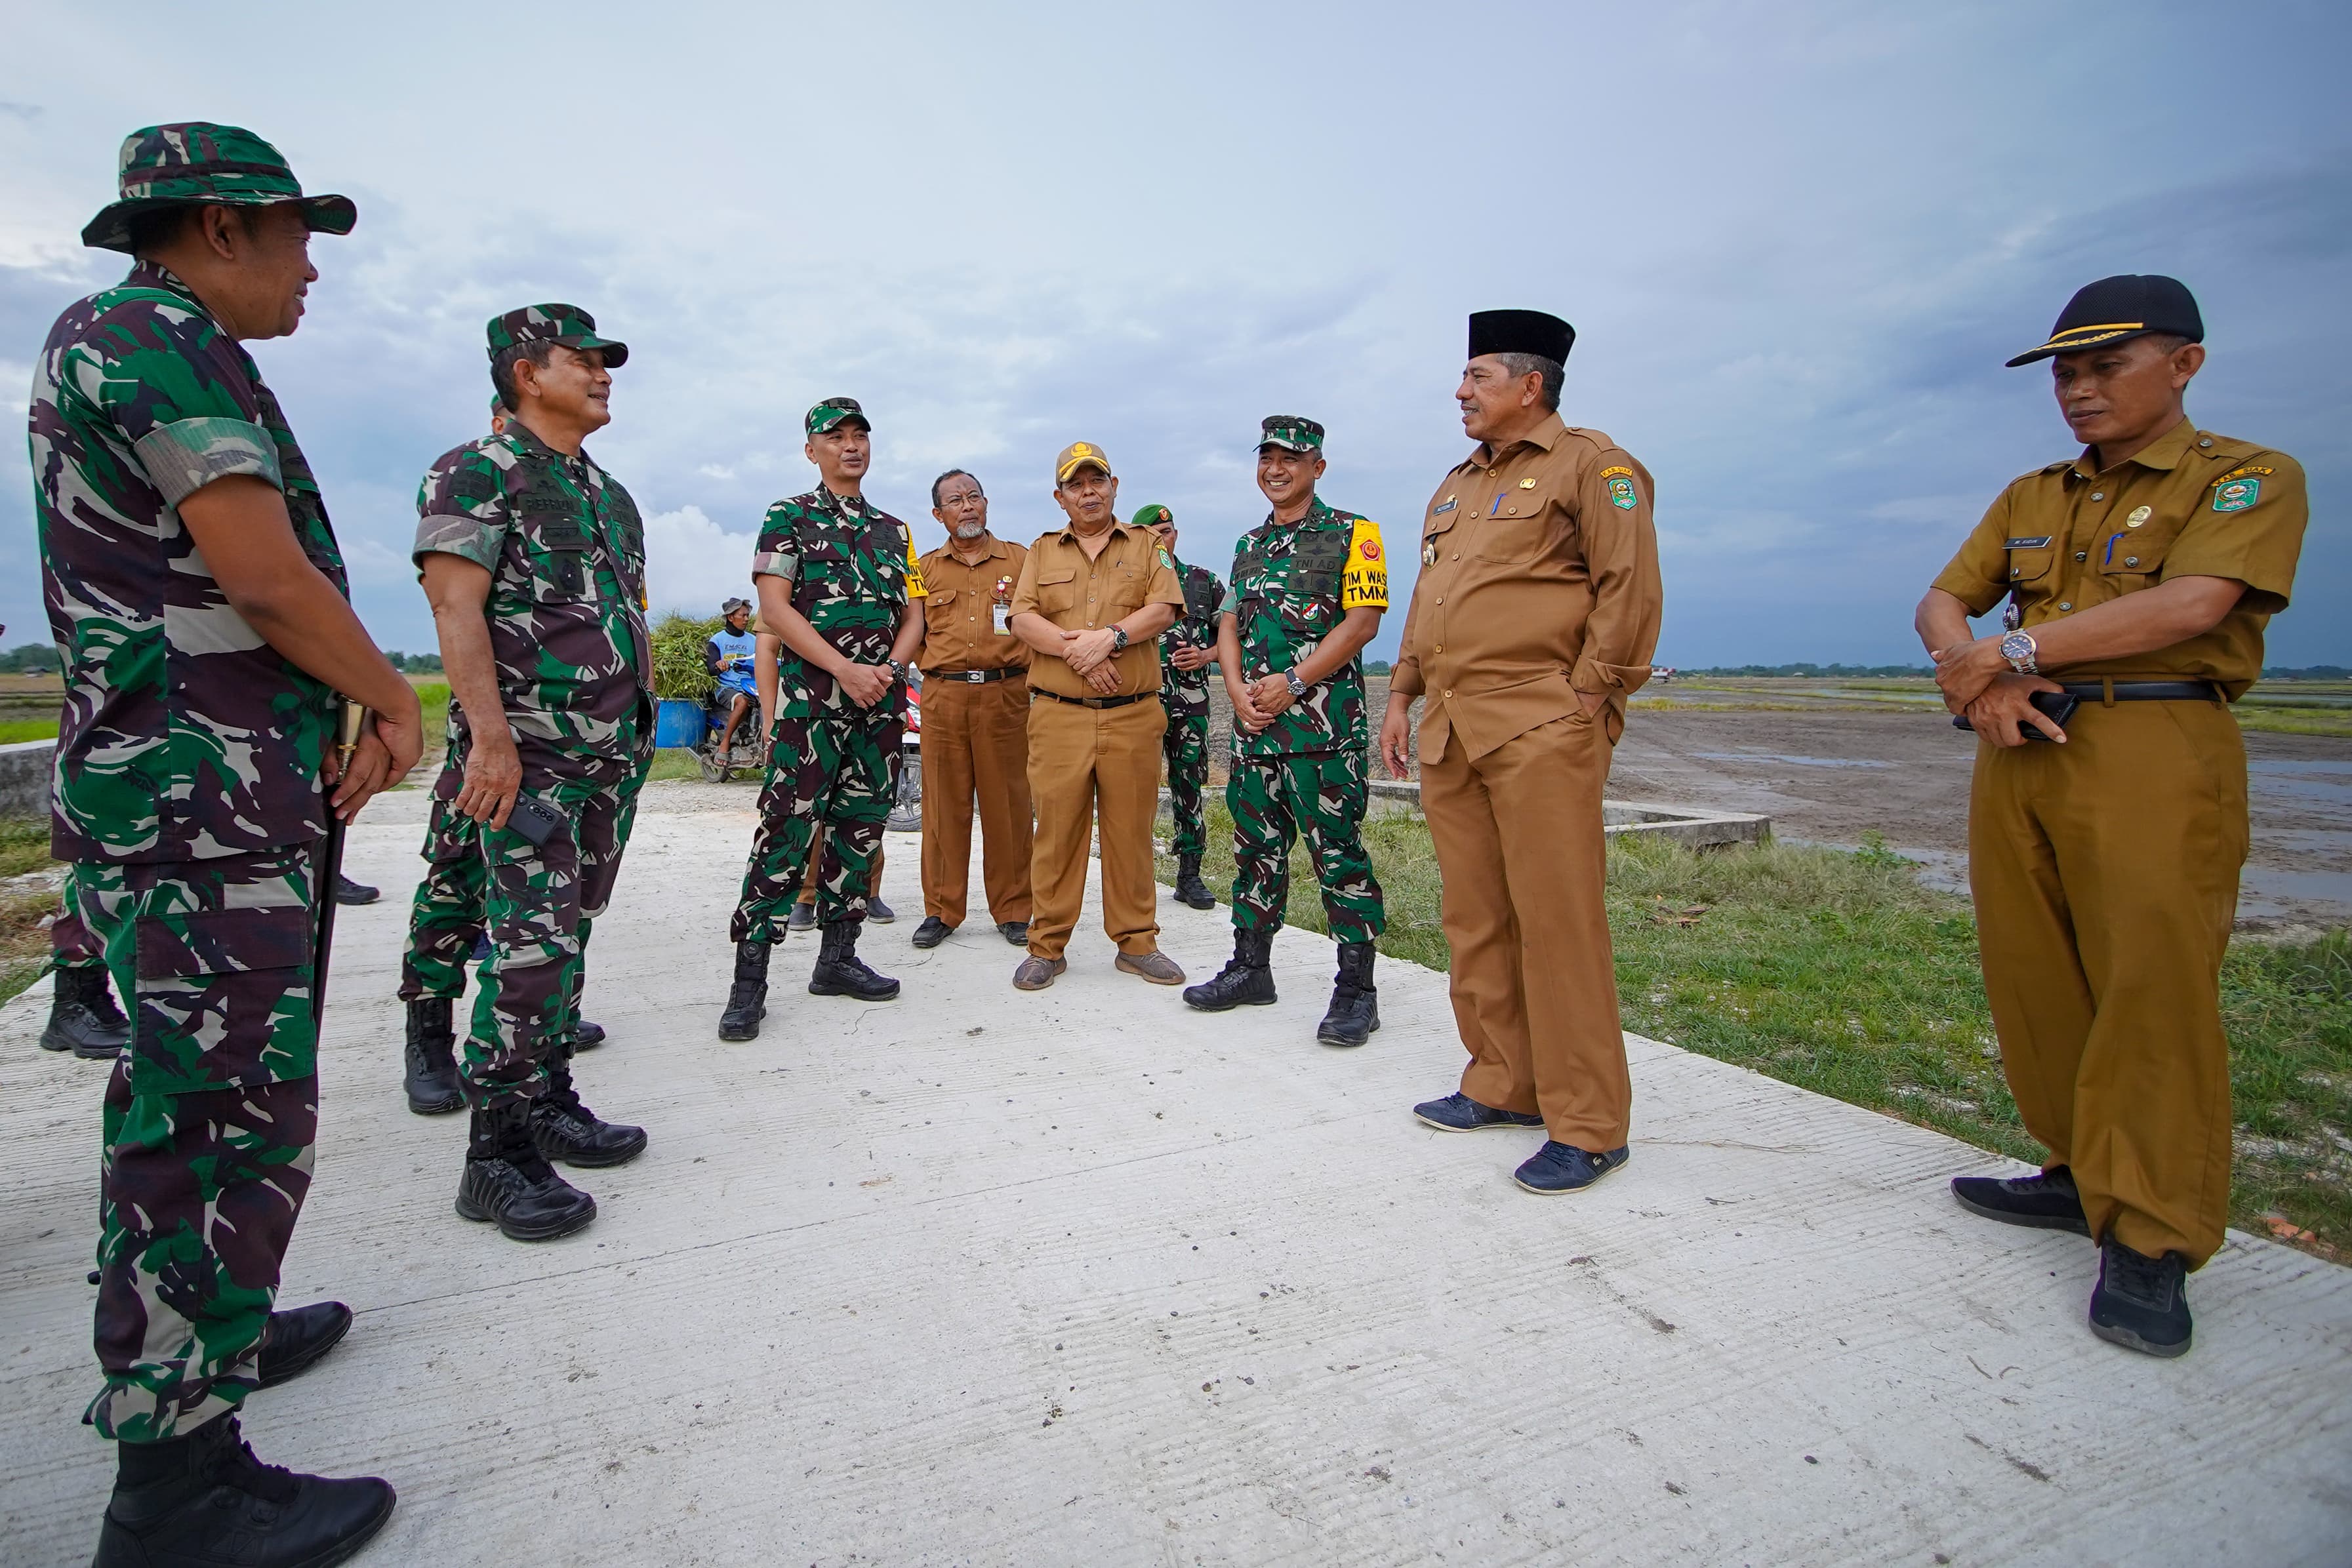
[
  {"x": 30, "y": 659},
  {"x": 1815, "y": 672},
  {"x": 413, "y": 664}
]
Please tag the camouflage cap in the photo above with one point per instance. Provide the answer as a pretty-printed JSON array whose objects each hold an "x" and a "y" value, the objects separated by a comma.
[
  {"x": 1078, "y": 454},
  {"x": 188, "y": 164},
  {"x": 1152, "y": 517},
  {"x": 566, "y": 324},
  {"x": 1291, "y": 431},
  {"x": 835, "y": 411}
]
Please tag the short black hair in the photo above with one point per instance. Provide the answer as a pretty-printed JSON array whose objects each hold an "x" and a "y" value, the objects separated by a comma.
[
  {"x": 1552, "y": 372},
  {"x": 948, "y": 476},
  {"x": 159, "y": 227},
  {"x": 538, "y": 350}
]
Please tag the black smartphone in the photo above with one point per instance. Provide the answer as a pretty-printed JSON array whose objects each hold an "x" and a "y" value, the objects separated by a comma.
[
  {"x": 2058, "y": 707},
  {"x": 535, "y": 820}
]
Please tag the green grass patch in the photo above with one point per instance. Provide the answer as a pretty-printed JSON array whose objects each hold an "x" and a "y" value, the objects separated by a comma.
[
  {"x": 1839, "y": 972},
  {"x": 14, "y": 730}
]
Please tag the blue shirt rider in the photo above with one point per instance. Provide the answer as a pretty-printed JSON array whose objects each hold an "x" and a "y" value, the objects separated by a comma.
[{"x": 731, "y": 656}]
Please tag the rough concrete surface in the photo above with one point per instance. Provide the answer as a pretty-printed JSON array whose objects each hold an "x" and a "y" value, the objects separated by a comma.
[{"x": 1084, "y": 1277}]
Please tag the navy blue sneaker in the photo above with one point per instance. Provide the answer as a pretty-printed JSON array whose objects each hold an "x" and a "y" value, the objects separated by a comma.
[
  {"x": 1564, "y": 1167},
  {"x": 1457, "y": 1113},
  {"x": 2141, "y": 1303},
  {"x": 2046, "y": 1200}
]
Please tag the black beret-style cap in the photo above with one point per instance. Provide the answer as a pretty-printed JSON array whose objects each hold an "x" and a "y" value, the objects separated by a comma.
[
  {"x": 1521, "y": 333},
  {"x": 2128, "y": 305}
]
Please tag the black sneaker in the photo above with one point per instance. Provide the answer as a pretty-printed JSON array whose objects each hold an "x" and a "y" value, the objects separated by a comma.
[
  {"x": 932, "y": 932},
  {"x": 2141, "y": 1303},
  {"x": 204, "y": 1502},
  {"x": 1457, "y": 1113},
  {"x": 2046, "y": 1200},
  {"x": 350, "y": 891},
  {"x": 1563, "y": 1167},
  {"x": 801, "y": 918},
  {"x": 294, "y": 1341},
  {"x": 878, "y": 912},
  {"x": 507, "y": 1180},
  {"x": 565, "y": 1129}
]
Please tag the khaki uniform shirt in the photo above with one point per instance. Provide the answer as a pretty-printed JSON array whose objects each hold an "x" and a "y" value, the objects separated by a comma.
[
  {"x": 964, "y": 617},
  {"x": 1539, "y": 580},
  {"x": 2193, "y": 504},
  {"x": 1076, "y": 594}
]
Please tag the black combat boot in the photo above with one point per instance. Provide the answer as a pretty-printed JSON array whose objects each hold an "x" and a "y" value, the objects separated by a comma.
[
  {"x": 507, "y": 1180},
  {"x": 83, "y": 1018},
  {"x": 204, "y": 1502},
  {"x": 1355, "y": 1010},
  {"x": 565, "y": 1129},
  {"x": 1190, "y": 888},
  {"x": 840, "y": 972},
  {"x": 1246, "y": 980},
  {"x": 432, "y": 1056},
  {"x": 747, "y": 1000}
]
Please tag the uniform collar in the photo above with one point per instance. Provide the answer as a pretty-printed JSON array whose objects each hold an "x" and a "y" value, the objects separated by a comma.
[
  {"x": 840, "y": 505},
  {"x": 1118, "y": 530},
  {"x": 997, "y": 549},
  {"x": 527, "y": 443},
  {"x": 145, "y": 274},
  {"x": 1543, "y": 436},
  {"x": 2163, "y": 454},
  {"x": 1318, "y": 510}
]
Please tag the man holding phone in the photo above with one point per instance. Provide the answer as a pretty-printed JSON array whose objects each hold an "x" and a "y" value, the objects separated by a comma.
[
  {"x": 533, "y": 558},
  {"x": 2104, "y": 861}
]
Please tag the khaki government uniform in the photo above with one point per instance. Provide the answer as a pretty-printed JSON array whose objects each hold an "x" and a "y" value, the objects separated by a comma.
[
  {"x": 2105, "y": 870},
  {"x": 1086, "y": 762},
  {"x": 1539, "y": 580},
  {"x": 975, "y": 734}
]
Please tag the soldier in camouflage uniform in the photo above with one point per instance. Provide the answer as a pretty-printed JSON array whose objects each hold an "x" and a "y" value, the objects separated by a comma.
[
  {"x": 83, "y": 1018},
  {"x": 1308, "y": 587},
  {"x": 838, "y": 580},
  {"x": 197, "y": 598},
  {"x": 447, "y": 921},
  {"x": 533, "y": 558},
  {"x": 1188, "y": 651}
]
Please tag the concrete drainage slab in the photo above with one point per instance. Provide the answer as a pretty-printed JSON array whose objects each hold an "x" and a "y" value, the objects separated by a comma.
[{"x": 1695, "y": 826}]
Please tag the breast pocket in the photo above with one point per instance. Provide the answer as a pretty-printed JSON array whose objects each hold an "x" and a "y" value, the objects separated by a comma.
[
  {"x": 2129, "y": 552},
  {"x": 2030, "y": 562},
  {"x": 1122, "y": 594},
  {"x": 556, "y": 547},
  {"x": 1507, "y": 539},
  {"x": 1057, "y": 591}
]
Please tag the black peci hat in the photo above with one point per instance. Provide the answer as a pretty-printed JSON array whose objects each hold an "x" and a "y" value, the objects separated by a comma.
[
  {"x": 2129, "y": 305},
  {"x": 1521, "y": 333}
]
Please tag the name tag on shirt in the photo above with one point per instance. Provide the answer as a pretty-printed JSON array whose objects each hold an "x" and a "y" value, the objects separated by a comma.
[
  {"x": 2041, "y": 541},
  {"x": 999, "y": 619}
]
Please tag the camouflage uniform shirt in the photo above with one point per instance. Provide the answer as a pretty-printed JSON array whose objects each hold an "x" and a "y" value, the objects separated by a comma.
[
  {"x": 1185, "y": 692},
  {"x": 184, "y": 736},
  {"x": 566, "y": 554},
  {"x": 853, "y": 570},
  {"x": 1293, "y": 584}
]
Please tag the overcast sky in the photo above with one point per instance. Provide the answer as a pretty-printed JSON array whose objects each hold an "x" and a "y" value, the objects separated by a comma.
[{"x": 1796, "y": 242}]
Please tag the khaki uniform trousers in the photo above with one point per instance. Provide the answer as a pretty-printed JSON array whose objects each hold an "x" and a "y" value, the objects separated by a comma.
[
  {"x": 2105, "y": 876},
  {"x": 976, "y": 741},
  {"x": 1521, "y": 850},
  {"x": 1086, "y": 764}
]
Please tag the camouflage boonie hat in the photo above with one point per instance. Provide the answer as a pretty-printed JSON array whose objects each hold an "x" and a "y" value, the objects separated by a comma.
[
  {"x": 186, "y": 165},
  {"x": 566, "y": 324},
  {"x": 835, "y": 411},
  {"x": 1152, "y": 516},
  {"x": 1289, "y": 431}
]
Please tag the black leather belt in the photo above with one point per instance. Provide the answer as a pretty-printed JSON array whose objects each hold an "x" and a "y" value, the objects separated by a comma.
[
  {"x": 975, "y": 677},
  {"x": 1093, "y": 701},
  {"x": 2144, "y": 691}
]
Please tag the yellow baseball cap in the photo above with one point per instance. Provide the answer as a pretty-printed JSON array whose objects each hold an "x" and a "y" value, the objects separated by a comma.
[{"x": 1076, "y": 456}]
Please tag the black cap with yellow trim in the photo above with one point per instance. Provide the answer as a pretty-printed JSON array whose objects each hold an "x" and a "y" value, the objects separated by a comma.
[{"x": 2129, "y": 305}]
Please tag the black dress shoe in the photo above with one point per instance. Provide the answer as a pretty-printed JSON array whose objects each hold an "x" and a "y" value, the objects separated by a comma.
[
  {"x": 586, "y": 1036},
  {"x": 296, "y": 1339},
  {"x": 2142, "y": 1302},
  {"x": 2046, "y": 1201},
  {"x": 350, "y": 891},
  {"x": 204, "y": 1502},
  {"x": 932, "y": 932},
  {"x": 1013, "y": 931}
]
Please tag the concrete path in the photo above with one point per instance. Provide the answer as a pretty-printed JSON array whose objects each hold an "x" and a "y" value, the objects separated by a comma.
[{"x": 1083, "y": 1278}]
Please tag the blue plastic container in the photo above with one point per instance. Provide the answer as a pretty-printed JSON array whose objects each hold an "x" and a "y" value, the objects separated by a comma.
[{"x": 680, "y": 723}]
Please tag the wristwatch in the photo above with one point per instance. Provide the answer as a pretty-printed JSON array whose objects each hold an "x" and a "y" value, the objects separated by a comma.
[
  {"x": 1298, "y": 686},
  {"x": 2019, "y": 648},
  {"x": 897, "y": 670},
  {"x": 1118, "y": 639}
]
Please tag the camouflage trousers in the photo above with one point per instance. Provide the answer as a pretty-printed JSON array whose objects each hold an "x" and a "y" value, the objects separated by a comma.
[
  {"x": 540, "y": 903},
  {"x": 1185, "y": 748},
  {"x": 843, "y": 773},
  {"x": 1274, "y": 799},
  {"x": 72, "y": 943},
  {"x": 445, "y": 919},
  {"x": 208, "y": 1125}
]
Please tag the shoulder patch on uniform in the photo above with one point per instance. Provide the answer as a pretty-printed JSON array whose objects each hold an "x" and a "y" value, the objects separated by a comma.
[
  {"x": 1614, "y": 468},
  {"x": 1165, "y": 559},
  {"x": 1621, "y": 494},
  {"x": 2236, "y": 495},
  {"x": 2245, "y": 468}
]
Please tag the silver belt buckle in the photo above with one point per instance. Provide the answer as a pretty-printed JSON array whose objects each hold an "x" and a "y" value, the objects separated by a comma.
[{"x": 976, "y": 677}]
